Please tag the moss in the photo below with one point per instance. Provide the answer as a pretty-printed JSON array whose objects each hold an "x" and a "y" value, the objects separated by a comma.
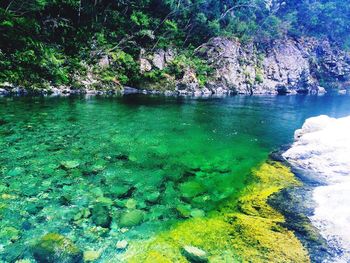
[
  {"x": 247, "y": 230},
  {"x": 100, "y": 215},
  {"x": 56, "y": 248},
  {"x": 9, "y": 234},
  {"x": 259, "y": 76},
  {"x": 131, "y": 218},
  {"x": 162, "y": 82},
  {"x": 156, "y": 257},
  {"x": 191, "y": 189}
]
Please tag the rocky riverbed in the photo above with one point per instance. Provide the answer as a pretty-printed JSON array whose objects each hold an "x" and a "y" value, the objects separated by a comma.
[{"x": 106, "y": 179}]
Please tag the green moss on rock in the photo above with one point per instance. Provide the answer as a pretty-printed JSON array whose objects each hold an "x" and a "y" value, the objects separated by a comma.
[
  {"x": 54, "y": 247},
  {"x": 191, "y": 189},
  {"x": 131, "y": 218},
  {"x": 9, "y": 234},
  {"x": 100, "y": 215},
  {"x": 245, "y": 231}
]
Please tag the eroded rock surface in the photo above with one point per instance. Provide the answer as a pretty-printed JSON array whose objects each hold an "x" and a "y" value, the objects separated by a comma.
[
  {"x": 285, "y": 66},
  {"x": 322, "y": 149}
]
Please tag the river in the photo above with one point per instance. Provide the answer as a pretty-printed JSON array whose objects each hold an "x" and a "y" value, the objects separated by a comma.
[{"x": 160, "y": 157}]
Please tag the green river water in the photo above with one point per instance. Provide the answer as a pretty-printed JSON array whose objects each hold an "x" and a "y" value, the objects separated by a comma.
[{"x": 80, "y": 166}]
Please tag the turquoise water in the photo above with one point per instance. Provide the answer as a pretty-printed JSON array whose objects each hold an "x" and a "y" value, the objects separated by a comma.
[{"x": 103, "y": 169}]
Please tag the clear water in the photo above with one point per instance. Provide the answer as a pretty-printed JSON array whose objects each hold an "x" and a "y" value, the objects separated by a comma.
[{"x": 59, "y": 157}]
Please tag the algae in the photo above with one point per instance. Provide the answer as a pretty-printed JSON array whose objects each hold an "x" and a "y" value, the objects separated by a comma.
[
  {"x": 247, "y": 230},
  {"x": 79, "y": 152},
  {"x": 54, "y": 247}
]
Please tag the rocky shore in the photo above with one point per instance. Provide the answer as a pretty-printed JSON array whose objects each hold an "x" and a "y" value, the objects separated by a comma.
[
  {"x": 286, "y": 66},
  {"x": 321, "y": 153}
]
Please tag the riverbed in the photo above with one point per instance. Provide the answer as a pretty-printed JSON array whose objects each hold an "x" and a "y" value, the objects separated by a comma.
[{"x": 99, "y": 170}]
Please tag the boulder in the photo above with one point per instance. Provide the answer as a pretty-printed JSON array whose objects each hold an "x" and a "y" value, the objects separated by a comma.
[
  {"x": 70, "y": 164},
  {"x": 122, "y": 244},
  {"x": 100, "y": 215},
  {"x": 191, "y": 189},
  {"x": 145, "y": 65},
  {"x": 131, "y": 218},
  {"x": 189, "y": 82},
  {"x": 54, "y": 247},
  {"x": 170, "y": 55},
  {"x": 9, "y": 234}
]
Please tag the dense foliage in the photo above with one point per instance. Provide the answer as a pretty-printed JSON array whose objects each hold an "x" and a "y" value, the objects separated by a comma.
[{"x": 49, "y": 39}]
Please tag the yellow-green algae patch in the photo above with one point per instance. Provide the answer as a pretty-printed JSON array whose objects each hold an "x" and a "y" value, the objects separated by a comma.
[{"x": 247, "y": 230}]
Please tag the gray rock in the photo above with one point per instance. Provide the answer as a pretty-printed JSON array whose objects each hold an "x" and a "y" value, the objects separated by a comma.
[
  {"x": 3, "y": 91},
  {"x": 130, "y": 90},
  {"x": 158, "y": 59},
  {"x": 104, "y": 61},
  {"x": 288, "y": 66},
  {"x": 170, "y": 55},
  {"x": 189, "y": 82},
  {"x": 145, "y": 65}
]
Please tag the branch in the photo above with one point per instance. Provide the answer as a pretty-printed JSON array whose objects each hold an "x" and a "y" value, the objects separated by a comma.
[{"x": 235, "y": 7}]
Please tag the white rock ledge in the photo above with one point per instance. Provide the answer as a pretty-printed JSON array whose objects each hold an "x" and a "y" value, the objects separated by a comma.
[{"x": 322, "y": 148}]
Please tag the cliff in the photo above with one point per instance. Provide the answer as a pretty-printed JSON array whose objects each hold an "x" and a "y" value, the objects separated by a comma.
[{"x": 304, "y": 66}]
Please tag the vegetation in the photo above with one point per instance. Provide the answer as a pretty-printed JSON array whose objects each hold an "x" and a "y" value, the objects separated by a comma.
[
  {"x": 53, "y": 42},
  {"x": 247, "y": 230}
]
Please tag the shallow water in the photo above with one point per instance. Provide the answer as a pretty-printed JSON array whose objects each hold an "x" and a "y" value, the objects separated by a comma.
[{"x": 166, "y": 158}]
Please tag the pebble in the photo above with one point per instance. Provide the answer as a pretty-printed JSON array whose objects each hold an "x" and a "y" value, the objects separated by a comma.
[
  {"x": 124, "y": 230},
  {"x": 194, "y": 254},
  {"x": 91, "y": 255}
]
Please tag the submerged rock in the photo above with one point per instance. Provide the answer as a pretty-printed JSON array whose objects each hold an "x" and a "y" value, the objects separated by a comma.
[
  {"x": 70, "y": 164},
  {"x": 194, "y": 254},
  {"x": 153, "y": 197},
  {"x": 197, "y": 213},
  {"x": 184, "y": 210},
  {"x": 100, "y": 215},
  {"x": 9, "y": 234},
  {"x": 91, "y": 255},
  {"x": 131, "y": 218},
  {"x": 54, "y": 248},
  {"x": 131, "y": 204},
  {"x": 191, "y": 189},
  {"x": 122, "y": 244}
]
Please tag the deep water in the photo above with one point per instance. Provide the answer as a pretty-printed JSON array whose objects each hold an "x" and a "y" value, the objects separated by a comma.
[{"x": 79, "y": 165}]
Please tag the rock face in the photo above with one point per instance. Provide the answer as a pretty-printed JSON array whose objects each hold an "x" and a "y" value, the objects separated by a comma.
[
  {"x": 156, "y": 60},
  {"x": 285, "y": 66},
  {"x": 322, "y": 151}
]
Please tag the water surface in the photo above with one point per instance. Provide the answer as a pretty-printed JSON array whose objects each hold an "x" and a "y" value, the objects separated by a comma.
[{"x": 167, "y": 158}]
